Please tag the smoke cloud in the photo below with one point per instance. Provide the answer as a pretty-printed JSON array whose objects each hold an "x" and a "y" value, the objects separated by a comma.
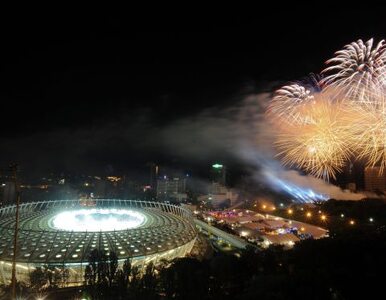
[
  {"x": 242, "y": 131},
  {"x": 236, "y": 133}
]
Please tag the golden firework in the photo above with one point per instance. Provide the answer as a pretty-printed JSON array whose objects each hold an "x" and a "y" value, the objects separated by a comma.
[
  {"x": 321, "y": 130},
  {"x": 319, "y": 145},
  {"x": 369, "y": 132}
]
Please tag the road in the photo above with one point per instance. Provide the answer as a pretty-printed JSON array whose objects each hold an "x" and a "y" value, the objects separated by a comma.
[{"x": 235, "y": 241}]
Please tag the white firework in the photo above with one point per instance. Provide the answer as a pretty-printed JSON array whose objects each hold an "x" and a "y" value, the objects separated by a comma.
[
  {"x": 288, "y": 101},
  {"x": 358, "y": 70}
]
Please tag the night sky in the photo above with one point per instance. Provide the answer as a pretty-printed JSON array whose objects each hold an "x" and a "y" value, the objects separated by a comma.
[{"x": 106, "y": 93}]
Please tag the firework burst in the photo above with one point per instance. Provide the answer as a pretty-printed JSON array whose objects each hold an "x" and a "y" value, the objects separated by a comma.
[
  {"x": 369, "y": 132},
  {"x": 323, "y": 124},
  {"x": 318, "y": 146},
  {"x": 288, "y": 102},
  {"x": 358, "y": 70}
]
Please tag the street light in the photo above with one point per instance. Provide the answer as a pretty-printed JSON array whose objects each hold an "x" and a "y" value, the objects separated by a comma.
[{"x": 16, "y": 230}]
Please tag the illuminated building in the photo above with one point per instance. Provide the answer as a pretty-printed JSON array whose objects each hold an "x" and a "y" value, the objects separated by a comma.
[
  {"x": 63, "y": 233},
  {"x": 374, "y": 181},
  {"x": 171, "y": 188},
  {"x": 218, "y": 195},
  {"x": 153, "y": 175},
  {"x": 218, "y": 174},
  {"x": 217, "y": 188}
]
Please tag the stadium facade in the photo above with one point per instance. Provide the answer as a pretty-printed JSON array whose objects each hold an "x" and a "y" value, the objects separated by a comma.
[{"x": 63, "y": 233}]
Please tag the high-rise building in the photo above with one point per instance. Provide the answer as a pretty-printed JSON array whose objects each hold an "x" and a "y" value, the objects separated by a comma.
[
  {"x": 352, "y": 176},
  {"x": 218, "y": 195},
  {"x": 218, "y": 174},
  {"x": 100, "y": 188},
  {"x": 217, "y": 188},
  {"x": 153, "y": 175},
  {"x": 9, "y": 194},
  {"x": 374, "y": 181},
  {"x": 173, "y": 188}
]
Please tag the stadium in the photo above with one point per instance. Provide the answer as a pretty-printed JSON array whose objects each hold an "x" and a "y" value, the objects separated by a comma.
[{"x": 62, "y": 234}]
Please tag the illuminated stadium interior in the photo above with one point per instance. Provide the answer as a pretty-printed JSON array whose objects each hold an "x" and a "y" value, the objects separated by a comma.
[
  {"x": 97, "y": 219},
  {"x": 64, "y": 232}
]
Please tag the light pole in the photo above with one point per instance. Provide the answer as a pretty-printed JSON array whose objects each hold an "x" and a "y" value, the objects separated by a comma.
[{"x": 17, "y": 192}]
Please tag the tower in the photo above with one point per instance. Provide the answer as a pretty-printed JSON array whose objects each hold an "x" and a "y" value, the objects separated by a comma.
[
  {"x": 218, "y": 174},
  {"x": 153, "y": 175}
]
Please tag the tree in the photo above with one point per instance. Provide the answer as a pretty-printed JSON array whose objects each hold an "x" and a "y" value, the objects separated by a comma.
[
  {"x": 126, "y": 269},
  {"x": 166, "y": 280},
  {"x": 21, "y": 290},
  {"x": 112, "y": 267},
  {"x": 65, "y": 276},
  {"x": 96, "y": 273},
  {"x": 89, "y": 277},
  {"x": 149, "y": 281},
  {"x": 57, "y": 276},
  {"x": 185, "y": 278},
  {"x": 38, "y": 279},
  {"x": 135, "y": 282},
  {"x": 91, "y": 269},
  {"x": 102, "y": 269}
]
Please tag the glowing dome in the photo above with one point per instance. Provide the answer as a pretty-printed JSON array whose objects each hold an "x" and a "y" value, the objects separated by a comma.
[
  {"x": 63, "y": 233},
  {"x": 98, "y": 219}
]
